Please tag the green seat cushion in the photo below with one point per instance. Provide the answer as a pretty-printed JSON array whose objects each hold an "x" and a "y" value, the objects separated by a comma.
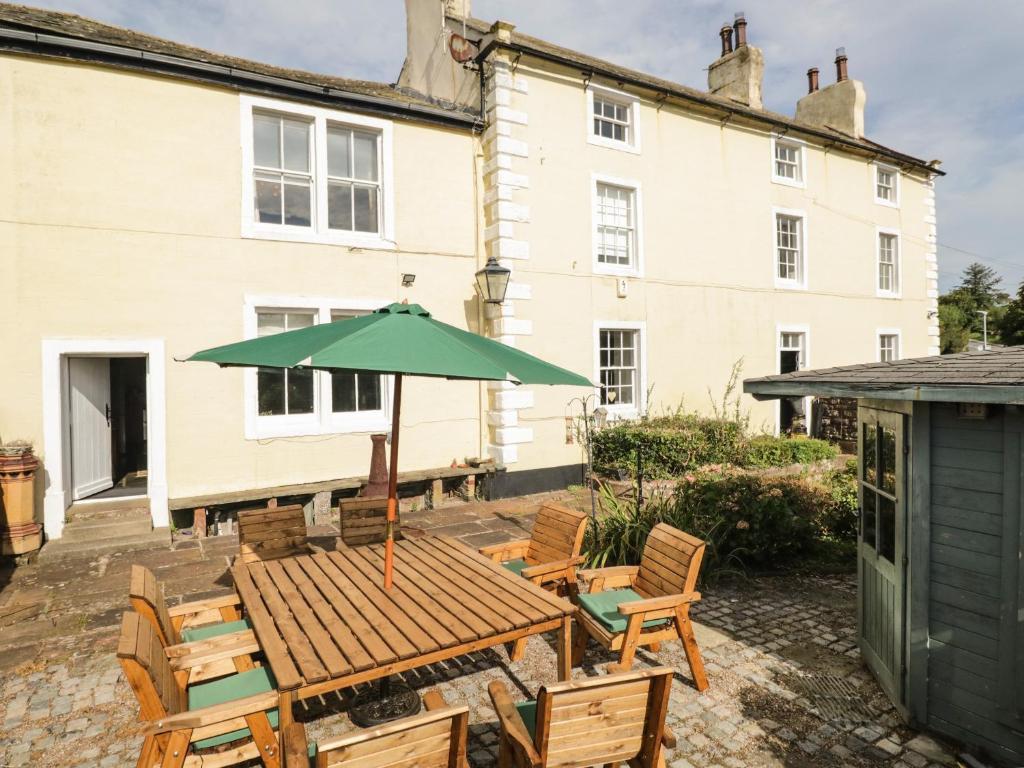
[
  {"x": 528, "y": 711},
  {"x": 214, "y": 630},
  {"x": 604, "y": 606},
  {"x": 231, "y": 688},
  {"x": 516, "y": 566}
]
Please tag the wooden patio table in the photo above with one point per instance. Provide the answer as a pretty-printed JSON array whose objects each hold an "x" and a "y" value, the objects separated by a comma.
[{"x": 326, "y": 622}]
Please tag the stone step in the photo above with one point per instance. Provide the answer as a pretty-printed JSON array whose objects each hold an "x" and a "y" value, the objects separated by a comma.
[
  {"x": 107, "y": 509},
  {"x": 59, "y": 549},
  {"x": 108, "y": 528}
]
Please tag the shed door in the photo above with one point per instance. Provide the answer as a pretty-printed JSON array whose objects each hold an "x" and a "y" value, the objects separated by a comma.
[{"x": 881, "y": 565}]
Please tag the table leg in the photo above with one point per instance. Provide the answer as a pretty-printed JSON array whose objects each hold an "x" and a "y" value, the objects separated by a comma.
[
  {"x": 284, "y": 716},
  {"x": 565, "y": 649}
]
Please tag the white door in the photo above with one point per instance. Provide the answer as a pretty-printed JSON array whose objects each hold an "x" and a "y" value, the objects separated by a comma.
[{"x": 89, "y": 423}]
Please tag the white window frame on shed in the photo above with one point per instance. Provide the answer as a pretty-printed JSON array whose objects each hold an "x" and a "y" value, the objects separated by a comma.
[
  {"x": 632, "y": 104},
  {"x": 636, "y": 266},
  {"x": 804, "y": 329},
  {"x": 800, "y": 283},
  {"x": 897, "y": 183},
  {"x": 318, "y": 232},
  {"x": 888, "y": 332},
  {"x": 801, "y": 161},
  {"x": 619, "y": 410},
  {"x": 323, "y": 420},
  {"x": 897, "y": 290}
]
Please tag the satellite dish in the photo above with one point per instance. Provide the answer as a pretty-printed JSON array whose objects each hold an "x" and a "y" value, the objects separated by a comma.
[{"x": 461, "y": 49}]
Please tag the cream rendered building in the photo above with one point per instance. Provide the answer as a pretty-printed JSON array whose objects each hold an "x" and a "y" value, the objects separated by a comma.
[{"x": 158, "y": 199}]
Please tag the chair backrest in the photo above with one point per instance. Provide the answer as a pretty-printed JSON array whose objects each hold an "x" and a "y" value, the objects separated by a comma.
[
  {"x": 603, "y": 720},
  {"x": 670, "y": 563},
  {"x": 557, "y": 534},
  {"x": 363, "y": 520},
  {"x": 148, "y": 671},
  {"x": 147, "y": 598},
  {"x": 269, "y": 534},
  {"x": 436, "y": 739}
]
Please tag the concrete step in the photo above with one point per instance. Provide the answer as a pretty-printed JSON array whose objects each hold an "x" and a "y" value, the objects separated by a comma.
[
  {"x": 60, "y": 549},
  {"x": 123, "y": 526},
  {"x": 107, "y": 508}
]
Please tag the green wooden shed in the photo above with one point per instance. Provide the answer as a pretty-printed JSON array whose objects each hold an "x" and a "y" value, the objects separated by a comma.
[{"x": 940, "y": 579}]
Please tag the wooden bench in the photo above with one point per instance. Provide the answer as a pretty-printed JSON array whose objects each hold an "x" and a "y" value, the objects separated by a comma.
[
  {"x": 599, "y": 721},
  {"x": 364, "y": 520},
  {"x": 273, "y": 533},
  {"x": 434, "y": 740},
  {"x": 236, "y": 712},
  {"x": 631, "y": 606}
]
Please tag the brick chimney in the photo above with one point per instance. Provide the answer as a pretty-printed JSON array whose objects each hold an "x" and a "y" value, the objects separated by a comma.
[
  {"x": 739, "y": 71},
  {"x": 429, "y": 68},
  {"x": 839, "y": 106}
]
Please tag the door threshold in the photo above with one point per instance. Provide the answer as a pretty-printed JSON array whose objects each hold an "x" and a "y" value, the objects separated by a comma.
[{"x": 108, "y": 499}]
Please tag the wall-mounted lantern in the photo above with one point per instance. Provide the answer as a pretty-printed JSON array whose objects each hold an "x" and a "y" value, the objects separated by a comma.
[{"x": 492, "y": 281}]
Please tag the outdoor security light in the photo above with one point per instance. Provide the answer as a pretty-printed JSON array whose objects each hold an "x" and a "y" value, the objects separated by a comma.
[
  {"x": 492, "y": 281},
  {"x": 408, "y": 279}
]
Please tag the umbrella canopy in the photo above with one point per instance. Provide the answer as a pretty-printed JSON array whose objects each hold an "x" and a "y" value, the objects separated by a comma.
[{"x": 399, "y": 339}]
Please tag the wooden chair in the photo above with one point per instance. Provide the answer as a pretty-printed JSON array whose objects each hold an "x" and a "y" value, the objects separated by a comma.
[
  {"x": 434, "y": 740},
  {"x": 273, "y": 533},
  {"x": 631, "y": 606},
  {"x": 600, "y": 721},
  {"x": 184, "y": 628},
  {"x": 364, "y": 520},
  {"x": 184, "y": 719}
]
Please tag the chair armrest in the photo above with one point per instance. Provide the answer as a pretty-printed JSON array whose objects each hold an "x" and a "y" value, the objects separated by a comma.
[
  {"x": 556, "y": 568},
  {"x": 189, "y": 655},
  {"x": 508, "y": 550},
  {"x": 296, "y": 748},
  {"x": 611, "y": 577},
  {"x": 197, "y": 606},
  {"x": 512, "y": 724},
  {"x": 657, "y": 603},
  {"x": 433, "y": 699},
  {"x": 218, "y": 713}
]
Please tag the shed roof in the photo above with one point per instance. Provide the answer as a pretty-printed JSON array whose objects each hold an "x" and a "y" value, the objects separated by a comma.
[{"x": 992, "y": 376}]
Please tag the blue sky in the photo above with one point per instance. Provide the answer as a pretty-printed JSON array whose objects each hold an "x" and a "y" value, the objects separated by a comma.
[{"x": 943, "y": 77}]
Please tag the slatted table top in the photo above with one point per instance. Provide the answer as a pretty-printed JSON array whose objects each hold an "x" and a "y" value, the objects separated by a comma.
[{"x": 326, "y": 616}]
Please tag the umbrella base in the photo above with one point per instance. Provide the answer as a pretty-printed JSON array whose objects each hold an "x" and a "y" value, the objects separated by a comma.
[{"x": 388, "y": 701}]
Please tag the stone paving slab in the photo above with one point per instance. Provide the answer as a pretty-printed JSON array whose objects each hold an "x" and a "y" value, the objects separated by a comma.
[{"x": 787, "y": 686}]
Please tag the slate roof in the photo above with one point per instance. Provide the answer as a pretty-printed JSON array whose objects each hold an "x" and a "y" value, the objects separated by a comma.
[
  {"x": 54, "y": 26},
  {"x": 591, "y": 63},
  {"x": 989, "y": 376}
]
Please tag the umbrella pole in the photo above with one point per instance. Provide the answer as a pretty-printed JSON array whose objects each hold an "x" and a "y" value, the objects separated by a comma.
[{"x": 389, "y": 542}]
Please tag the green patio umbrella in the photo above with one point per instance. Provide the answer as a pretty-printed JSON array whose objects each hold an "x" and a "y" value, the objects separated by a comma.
[{"x": 401, "y": 340}]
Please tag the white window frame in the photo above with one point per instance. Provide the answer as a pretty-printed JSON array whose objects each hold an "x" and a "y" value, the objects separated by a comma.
[
  {"x": 801, "y": 147},
  {"x": 636, "y": 268},
  {"x": 879, "y": 333},
  {"x": 318, "y": 232},
  {"x": 799, "y": 284},
  {"x": 897, "y": 183},
  {"x": 780, "y": 329},
  {"x": 323, "y": 421},
  {"x": 897, "y": 272},
  {"x": 626, "y": 99},
  {"x": 623, "y": 410}
]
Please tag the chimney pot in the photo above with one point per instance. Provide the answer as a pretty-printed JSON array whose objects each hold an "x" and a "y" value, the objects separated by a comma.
[
  {"x": 841, "y": 73},
  {"x": 740, "y": 25},
  {"x": 726, "y": 34},
  {"x": 812, "y": 79}
]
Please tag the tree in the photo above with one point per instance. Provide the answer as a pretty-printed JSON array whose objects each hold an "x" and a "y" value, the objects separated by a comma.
[
  {"x": 978, "y": 291},
  {"x": 954, "y": 331},
  {"x": 1011, "y": 324}
]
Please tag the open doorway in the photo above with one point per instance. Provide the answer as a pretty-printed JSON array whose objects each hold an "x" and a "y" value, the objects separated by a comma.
[
  {"x": 793, "y": 411},
  {"x": 107, "y": 427}
]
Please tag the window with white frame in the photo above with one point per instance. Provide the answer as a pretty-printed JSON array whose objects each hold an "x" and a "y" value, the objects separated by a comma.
[
  {"x": 316, "y": 175},
  {"x": 354, "y": 392},
  {"x": 888, "y": 263},
  {"x": 613, "y": 119},
  {"x": 284, "y": 391},
  {"x": 619, "y": 366},
  {"x": 788, "y": 162},
  {"x": 888, "y": 347},
  {"x": 887, "y": 181},
  {"x": 615, "y": 219},
  {"x": 790, "y": 268}
]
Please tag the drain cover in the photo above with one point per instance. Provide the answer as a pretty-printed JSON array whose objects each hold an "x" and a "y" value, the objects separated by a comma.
[{"x": 834, "y": 698}]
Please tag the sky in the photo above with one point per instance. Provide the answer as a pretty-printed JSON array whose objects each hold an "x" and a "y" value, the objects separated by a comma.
[{"x": 944, "y": 78}]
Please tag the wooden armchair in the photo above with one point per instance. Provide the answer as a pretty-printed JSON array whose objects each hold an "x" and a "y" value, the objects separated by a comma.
[
  {"x": 598, "y": 721},
  {"x": 631, "y": 606},
  {"x": 434, "y": 740},
  {"x": 181, "y": 720},
  {"x": 273, "y": 533}
]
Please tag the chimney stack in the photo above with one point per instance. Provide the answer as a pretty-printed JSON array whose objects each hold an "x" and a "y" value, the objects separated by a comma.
[
  {"x": 841, "y": 65},
  {"x": 812, "y": 79},
  {"x": 738, "y": 72},
  {"x": 726, "y": 34}
]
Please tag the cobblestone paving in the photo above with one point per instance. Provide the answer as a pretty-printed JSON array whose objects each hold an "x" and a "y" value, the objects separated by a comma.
[{"x": 787, "y": 687}]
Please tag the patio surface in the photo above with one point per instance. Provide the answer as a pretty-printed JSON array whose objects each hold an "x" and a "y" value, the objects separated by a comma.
[{"x": 787, "y": 687}]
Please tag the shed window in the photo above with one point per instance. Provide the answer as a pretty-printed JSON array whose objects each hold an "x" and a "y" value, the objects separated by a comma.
[{"x": 878, "y": 487}]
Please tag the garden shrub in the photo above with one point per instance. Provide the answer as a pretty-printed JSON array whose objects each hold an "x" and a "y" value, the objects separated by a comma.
[{"x": 770, "y": 451}]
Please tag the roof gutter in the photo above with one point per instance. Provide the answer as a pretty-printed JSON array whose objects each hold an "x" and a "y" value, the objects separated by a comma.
[
  {"x": 774, "y": 390},
  {"x": 640, "y": 83},
  {"x": 37, "y": 42}
]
